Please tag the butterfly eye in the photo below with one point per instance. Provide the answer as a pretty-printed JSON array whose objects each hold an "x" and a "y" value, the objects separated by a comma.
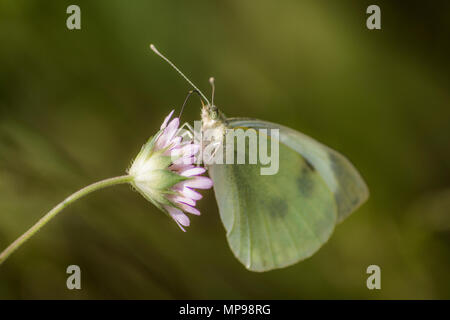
[{"x": 213, "y": 113}]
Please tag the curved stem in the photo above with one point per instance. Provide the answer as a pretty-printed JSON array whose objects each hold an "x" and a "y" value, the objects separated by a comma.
[{"x": 52, "y": 213}]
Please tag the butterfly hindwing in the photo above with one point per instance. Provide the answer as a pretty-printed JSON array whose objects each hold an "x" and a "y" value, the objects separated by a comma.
[{"x": 273, "y": 221}]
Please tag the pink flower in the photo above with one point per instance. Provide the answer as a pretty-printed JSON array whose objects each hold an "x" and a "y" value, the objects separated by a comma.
[{"x": 165, "y": 174}]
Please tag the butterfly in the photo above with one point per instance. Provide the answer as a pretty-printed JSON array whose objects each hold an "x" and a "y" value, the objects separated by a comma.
[{"x": 274, "y": 221}]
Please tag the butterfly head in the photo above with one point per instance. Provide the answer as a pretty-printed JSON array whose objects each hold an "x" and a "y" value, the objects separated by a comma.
[
  {"x": 211, "y": 116},
  {"x": 213, "y": 112}
]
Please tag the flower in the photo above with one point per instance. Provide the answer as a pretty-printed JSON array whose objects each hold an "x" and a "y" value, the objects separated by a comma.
[{"x": 164, "y": 172}]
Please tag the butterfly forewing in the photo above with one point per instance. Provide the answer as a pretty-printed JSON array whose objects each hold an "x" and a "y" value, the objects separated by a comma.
[{"x": 341, "y": 177}]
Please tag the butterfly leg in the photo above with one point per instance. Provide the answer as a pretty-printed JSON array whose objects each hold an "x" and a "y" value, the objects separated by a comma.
[
  {"x": 216, "y": 145},
  {"x": 187, "y": 98},
  {"x": 189, "y": 133},
  {"x": 187, "y": 125}
]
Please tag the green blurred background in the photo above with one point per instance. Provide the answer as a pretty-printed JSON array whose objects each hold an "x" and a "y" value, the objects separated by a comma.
[{"x": 76, "y": 106}]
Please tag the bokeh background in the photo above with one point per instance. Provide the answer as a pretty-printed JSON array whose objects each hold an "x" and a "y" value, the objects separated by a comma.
[{"x": 76, "y": 106}]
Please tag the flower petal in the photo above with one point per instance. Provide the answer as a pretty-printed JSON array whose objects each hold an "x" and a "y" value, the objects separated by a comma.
[
  {"x": 180, "y": 167},
  {"x": 189, "y": 193},
  {"x": 180, "y": 218},
  {"x": 181, "y": 199},
  {"x": 193, "y": 171},
  {"x": 189, "y": 209},
  {"x": 172, "y": 128},
  {"x": 199, "y": 182},
  {"x": 166, "y": 120},
  {"x": 184, "y": 161},
  {"x": 167, "y": 135},
  {"x": 175, "y": 143},
  {"x": 186, "y": 151}
]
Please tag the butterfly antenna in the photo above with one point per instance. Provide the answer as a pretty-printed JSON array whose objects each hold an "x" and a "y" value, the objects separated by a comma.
[
  {"x": 187, "y": 98},
  {"x": 178, "y": 70},
  {"x": 213, "y": 89}
]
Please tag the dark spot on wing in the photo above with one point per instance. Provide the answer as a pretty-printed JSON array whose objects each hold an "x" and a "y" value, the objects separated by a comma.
[
  {"x": 309, "y": 164},
  {"x": 334, "y": 160},
  {"x": 348, "y": 195},
  {"x": 305, "y": 182},
  {"x": 278, "y": 208}
]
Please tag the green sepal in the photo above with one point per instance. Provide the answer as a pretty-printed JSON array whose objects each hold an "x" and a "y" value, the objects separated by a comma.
[
  {"x": 162, "y": 161},
  {"x": 147, "y": 148},
  {"x": 165, "y": 179}
]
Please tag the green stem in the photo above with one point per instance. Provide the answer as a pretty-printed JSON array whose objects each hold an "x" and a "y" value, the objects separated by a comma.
[{"x": 52, "y": 213}]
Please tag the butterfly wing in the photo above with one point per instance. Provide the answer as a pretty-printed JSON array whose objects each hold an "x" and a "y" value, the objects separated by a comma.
[
  {"x": 341, "y": 177},
  {"x": 273, "y": 221}
]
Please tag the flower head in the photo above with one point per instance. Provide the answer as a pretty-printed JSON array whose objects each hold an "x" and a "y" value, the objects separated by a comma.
[{"x": 165, "y": 174}]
